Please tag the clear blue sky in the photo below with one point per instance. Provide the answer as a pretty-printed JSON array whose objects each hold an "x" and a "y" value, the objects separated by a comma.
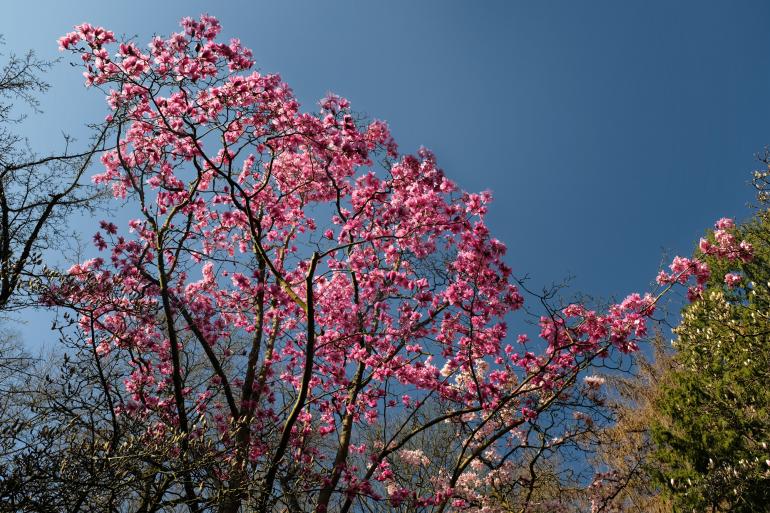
[{"x": 608, "y": 131}]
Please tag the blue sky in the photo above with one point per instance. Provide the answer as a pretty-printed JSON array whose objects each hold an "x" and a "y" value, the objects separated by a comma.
[{"x": 611, "y": 133}]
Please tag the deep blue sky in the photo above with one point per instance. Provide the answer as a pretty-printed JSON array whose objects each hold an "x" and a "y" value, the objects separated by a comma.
[{"x": 609, "y": 131}]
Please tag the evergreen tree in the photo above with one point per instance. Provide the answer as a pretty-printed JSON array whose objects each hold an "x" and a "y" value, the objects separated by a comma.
[{"x": 712, "y": 427}]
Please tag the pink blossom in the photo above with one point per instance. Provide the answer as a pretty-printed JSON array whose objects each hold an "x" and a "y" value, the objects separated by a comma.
[{"x": 732, "y": 279}]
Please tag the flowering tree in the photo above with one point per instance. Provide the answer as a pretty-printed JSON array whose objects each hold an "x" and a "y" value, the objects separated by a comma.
[{"x": 300, "y": 305}]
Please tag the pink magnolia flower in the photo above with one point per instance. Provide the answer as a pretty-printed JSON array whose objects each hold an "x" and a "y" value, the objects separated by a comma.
[{"x": 732, "y": 279}]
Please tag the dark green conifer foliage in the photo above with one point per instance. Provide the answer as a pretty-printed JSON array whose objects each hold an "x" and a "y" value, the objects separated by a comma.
[{"x": 712, "y": 428}]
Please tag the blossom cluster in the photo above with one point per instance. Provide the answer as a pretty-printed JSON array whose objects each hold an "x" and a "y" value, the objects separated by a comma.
[{"x": 725, "y": 247}]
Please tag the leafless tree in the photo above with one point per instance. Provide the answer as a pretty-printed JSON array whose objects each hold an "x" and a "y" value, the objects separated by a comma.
[{"x": 39, "y": 191}]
